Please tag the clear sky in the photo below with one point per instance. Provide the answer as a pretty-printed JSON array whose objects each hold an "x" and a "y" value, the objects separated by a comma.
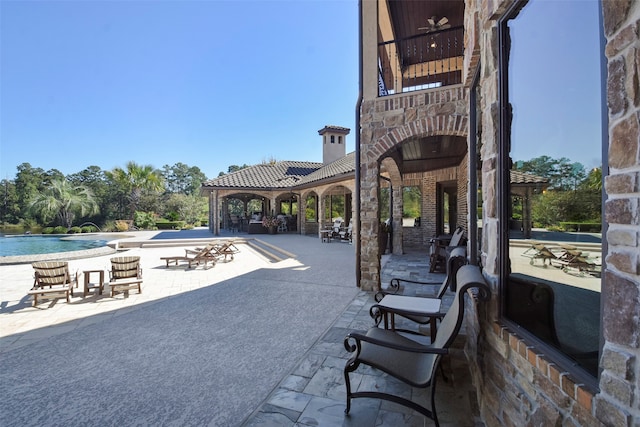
[
  {"x": 555, "y": 88},
  {"x": 208, "y": 83}
]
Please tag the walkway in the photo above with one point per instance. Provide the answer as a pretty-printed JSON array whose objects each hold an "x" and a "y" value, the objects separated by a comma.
[{"x": 204, "y": 347}]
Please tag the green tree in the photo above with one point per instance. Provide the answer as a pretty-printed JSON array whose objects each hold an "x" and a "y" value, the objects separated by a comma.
[
  {"x": 190, "y": 208},
  {"x": 94, "y": 178},
  {"x": 64, "y": 201},
  {"x": 29, "y": 182},
  {"x": 561, "y": 173},
  {"x": 134, "y": 181},
  {"x": 181, "y": 178},
  {"x": 593, "y": 180},
  {"x": 9, "y": 208},
  {"x": 234, "y": 168}
]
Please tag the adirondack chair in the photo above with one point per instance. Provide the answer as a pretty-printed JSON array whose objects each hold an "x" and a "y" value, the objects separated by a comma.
[
  {"x": 52, "y": 279},
  {"x": 125, "y": 274},
  {"x": 408, "y": 360}
]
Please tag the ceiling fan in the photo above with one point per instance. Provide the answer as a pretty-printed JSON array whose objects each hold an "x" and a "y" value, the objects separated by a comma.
[{"x": 435, "y": 25}]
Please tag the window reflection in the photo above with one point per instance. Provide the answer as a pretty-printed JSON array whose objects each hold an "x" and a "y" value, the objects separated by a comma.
[{"x": 555, "y": 236}]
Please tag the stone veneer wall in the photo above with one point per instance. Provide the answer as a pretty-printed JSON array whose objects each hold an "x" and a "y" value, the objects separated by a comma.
[
  {"x": 517, "y": 383},
  {"x": 385, "y": 123}
]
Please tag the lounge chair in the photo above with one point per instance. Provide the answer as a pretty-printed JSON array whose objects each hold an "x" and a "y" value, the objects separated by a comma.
[
  {"x": 582, "y": 263},
  {"x": 125, "y": 274},
  {"x": 409, "y": 361},
  {"x": 217, "y": 250},
  {"x": 52, "y": 278},
  {"x": 405, "y": 306},
  {"x": 541, "y": 251},
  {"x": 196, "y": 257},
  {"x": 440, "y": 251},
  {"x": 225, "y": 249}
]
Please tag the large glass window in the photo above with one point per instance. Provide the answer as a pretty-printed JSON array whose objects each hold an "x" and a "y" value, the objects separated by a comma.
[{"x": 553, "y": 191}]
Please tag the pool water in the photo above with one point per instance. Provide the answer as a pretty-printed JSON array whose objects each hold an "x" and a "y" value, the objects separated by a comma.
[{"x": 31, "y": 245}]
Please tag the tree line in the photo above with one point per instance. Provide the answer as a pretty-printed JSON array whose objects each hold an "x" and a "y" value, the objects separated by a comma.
[
  {"x": 573, "y": 195},
  {"x": 136, "y": 193}
]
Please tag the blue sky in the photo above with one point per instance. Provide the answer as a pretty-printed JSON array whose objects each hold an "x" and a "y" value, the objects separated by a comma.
[
  {"x": 207, "y": 83},
  {"x": 567, "y": 123}
]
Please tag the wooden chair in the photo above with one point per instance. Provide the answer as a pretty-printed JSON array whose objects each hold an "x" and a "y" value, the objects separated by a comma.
[
  {"x": 52, "y": 278},
  {"x": 407, "y": 360},
  {"x": 125, "y": 274},
  {"x": 195, "y": 257}
]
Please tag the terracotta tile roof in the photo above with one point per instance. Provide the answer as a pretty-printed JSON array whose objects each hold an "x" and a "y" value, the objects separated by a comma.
[
  {"x": 283, "y": 174},
  {"x": 518, "y": 177},
  {"x": 342, "y": 166},
  {"x": 333, "y": 128}
]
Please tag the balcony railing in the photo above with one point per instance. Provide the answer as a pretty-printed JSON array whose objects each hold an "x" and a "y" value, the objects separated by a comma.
[{"x": 420, "y": 62}]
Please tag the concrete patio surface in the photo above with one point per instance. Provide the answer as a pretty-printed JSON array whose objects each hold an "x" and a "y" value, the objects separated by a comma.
[{"x": 247, "y": 342}]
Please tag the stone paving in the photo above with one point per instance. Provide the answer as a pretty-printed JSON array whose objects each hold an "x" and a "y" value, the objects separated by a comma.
[{"x": 314, "y": 393}]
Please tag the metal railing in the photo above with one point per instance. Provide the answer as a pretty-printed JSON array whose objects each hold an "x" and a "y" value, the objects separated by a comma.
[{"x": 419, "y": 62}]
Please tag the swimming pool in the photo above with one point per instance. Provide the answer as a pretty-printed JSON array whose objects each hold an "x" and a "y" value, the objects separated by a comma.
[{"x": 15, "y": 245}]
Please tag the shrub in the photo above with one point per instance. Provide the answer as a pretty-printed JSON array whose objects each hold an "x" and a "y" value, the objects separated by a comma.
[
  {"x": 47, "y": 230},
  {"x": 75, "y": 230},
  {"x": 89, "y": 229},
  {"x": 581, "y": 226},
  {"x": 172, "y": 216},
  {"x": 122, "y": 225},
  {"x": 170, "y": 225},
  {"x": 145, "y": 220},
  {"x": 60, "y": 230}
]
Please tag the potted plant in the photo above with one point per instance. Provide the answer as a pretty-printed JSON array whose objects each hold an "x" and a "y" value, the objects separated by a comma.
[{"x": 270, "y": 223}]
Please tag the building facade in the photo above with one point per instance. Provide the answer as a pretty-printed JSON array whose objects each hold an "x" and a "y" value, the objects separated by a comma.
[{"x": 444, "y": 103}]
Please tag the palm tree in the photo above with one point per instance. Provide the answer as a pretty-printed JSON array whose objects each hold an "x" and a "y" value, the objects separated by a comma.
[
  {"x": 136, "y": 179},
  {"x": 64, "y": 200}
]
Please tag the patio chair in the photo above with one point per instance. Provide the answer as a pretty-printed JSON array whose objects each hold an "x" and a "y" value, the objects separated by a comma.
[
  {"x": 582, "y": 263},
  {"x": 347, "y": 234},
  {"x": 197, "y": 256},
  {"x": 52, "y": 278},
  {"x": 224, "y": 249},
  {"x": 334, "y": 230},
  {"x": 407, "y": 360},
  {"x": 234, "y": 226},
  {"x": 541, "y": 251},
  {"x": 440, "y": 251},
  {"x": 125, "y": 274},
  {"x": 404, "y": 305},
  {"x": 282, "y": 224}
]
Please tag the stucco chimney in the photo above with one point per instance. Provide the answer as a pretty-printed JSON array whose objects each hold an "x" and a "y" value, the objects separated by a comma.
[{"x": 334, "y": 142}]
